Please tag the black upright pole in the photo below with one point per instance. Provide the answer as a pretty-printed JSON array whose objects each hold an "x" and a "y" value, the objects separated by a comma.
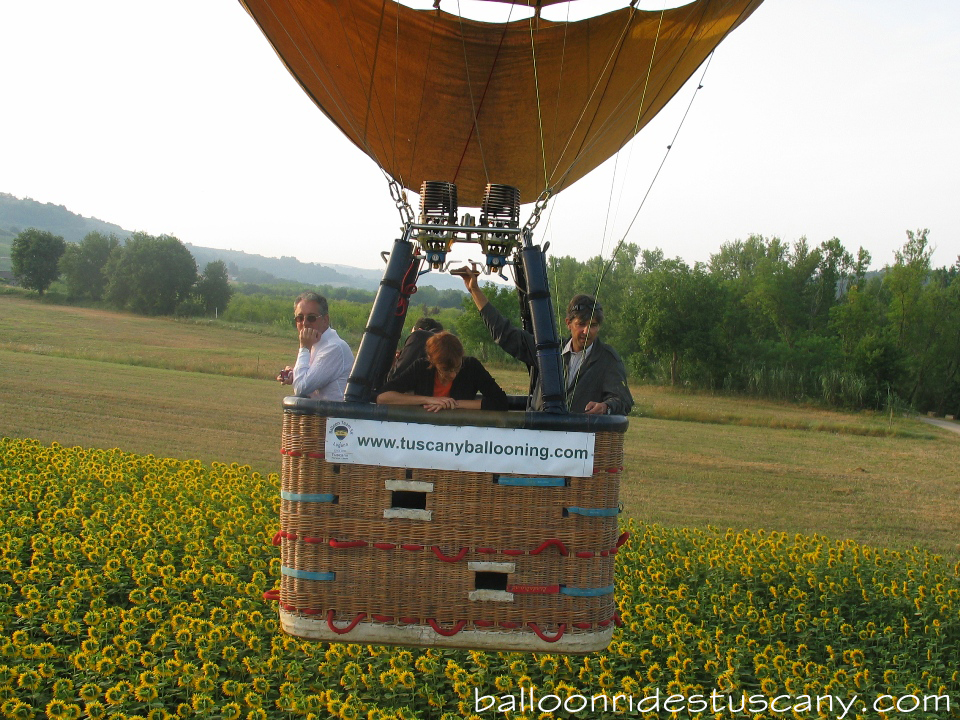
[
  {"x": 544, "y": 328},
  {"x": 385, "y": 324}
]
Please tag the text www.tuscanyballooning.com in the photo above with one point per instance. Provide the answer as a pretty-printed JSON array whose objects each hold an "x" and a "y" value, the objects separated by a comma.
[
  {"x": 716, "y": 702},
  {"x": 465, "y": 447}
]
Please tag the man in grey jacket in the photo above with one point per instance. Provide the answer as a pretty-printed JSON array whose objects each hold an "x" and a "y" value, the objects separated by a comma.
[{"x": 596, "y": 380}]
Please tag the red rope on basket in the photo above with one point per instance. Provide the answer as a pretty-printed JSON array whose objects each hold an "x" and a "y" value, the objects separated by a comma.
[
  {"x": 456, "y": 558},
  {"x": 334, "y": 543},
  {"x": 547, "y": 543},
  {"x": 316, "y": 455},
  {"x": 384, "y": 546},
  {"x": 487, "y": 550},
  {"x": 272, "y": 595},
  {"x": 447, "y": 633},
  {"x": 617, "y": 620},
  {"x": 545, "y": 638},
  {"x": 514, "y": 551},
  {"x": 412, "y": 547},
  {"x": 278, "y": 538},
  {"x": 343, "y": 631},
  {"x": 624, "y": 536},
  {"x": 314, "y": 540},
  {"x": 534, "y": 589}
]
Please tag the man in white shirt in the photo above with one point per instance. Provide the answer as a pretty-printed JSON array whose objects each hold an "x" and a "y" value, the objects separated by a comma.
[{"x": 324, "y": 360}]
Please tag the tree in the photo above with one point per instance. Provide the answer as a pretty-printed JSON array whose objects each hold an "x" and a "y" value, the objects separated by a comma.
[
  {"x": 680, "y": 308},
  {"x": 213, "y": 287},
  {"x": 34, "y": 258},
  {"x": 84, "y": 264},
  {"x": 150, "y": 275}
]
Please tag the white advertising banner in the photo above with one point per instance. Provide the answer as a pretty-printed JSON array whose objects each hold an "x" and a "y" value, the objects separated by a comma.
[{"x": 452, "y": 447}]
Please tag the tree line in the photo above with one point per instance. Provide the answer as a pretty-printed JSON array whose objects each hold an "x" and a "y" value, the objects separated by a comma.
[
  {"x": 146, "y": 274},
  {"x": 763, "y": 317},
  {"x": 774, "y": 319}
]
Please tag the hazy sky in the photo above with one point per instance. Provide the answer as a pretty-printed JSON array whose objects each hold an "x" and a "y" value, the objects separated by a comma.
[{"x": 817, "y": 118}]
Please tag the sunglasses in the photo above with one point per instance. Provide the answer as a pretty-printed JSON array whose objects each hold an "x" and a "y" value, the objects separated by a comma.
[{"x": 312, "y": 317}]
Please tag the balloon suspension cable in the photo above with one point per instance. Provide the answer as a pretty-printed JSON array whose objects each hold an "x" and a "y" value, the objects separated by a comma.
[
  {"x": 474, "y": 105},
  {"x": 613, "y": 255},
  {"x": 536, "y": 85},
  {"x": 636, "y": 127},
  {"x": 538, "y": 208},
  {"x": 399, "y": 196}
]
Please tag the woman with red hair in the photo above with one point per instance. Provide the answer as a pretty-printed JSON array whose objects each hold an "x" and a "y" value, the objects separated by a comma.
[{"x": 445, "y": 380}]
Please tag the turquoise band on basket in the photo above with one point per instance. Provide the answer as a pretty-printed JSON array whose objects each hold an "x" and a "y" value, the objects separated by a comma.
[
  {"x": 306, "y": 575},
  {"x": 308, "y": 497},
  {"x": 532, "y": 481},
  {"x": 586, "y": 592},
  {"x": 594, "y": 512}
]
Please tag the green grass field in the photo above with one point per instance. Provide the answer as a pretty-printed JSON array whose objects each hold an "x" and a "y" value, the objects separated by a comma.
[{"x": 101, "y": 379}]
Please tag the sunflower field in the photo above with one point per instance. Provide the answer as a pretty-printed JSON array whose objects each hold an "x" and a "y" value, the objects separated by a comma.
[{"x": 132, "y": 587}]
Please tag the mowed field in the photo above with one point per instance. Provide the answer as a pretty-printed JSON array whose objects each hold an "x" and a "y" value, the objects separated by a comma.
[{"x": 95, "y": 378}]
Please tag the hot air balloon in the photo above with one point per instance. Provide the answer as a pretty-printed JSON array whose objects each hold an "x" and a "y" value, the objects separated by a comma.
[{"x": 488, "y": 539}]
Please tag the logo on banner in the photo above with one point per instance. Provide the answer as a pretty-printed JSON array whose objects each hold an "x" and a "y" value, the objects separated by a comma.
[{"x": 341, "y": 432}]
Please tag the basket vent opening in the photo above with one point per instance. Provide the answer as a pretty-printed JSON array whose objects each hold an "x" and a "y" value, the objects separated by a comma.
[
  {"x": 408, "y": 500},
  {"x": 490, "y": 581}
]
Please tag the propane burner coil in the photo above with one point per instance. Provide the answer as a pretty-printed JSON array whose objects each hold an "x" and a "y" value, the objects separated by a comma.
[
  {"x": 438, "y": 203},
  {"x": 501, "y": 206}
]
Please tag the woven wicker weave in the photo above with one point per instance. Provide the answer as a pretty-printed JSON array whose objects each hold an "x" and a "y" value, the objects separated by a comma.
[{"x": 544, "y": 579}]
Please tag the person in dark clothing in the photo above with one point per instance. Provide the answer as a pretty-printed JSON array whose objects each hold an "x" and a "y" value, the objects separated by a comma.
[
  {"x": 595, "y": 377},
  {"x": 415, "y": 346},
  {"x": 445, "y": 380}
]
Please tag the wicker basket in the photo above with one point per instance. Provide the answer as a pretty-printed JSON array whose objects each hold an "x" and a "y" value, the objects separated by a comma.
[{"x": 485, "y": 560}]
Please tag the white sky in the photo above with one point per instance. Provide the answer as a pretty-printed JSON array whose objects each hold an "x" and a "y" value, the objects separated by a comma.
[{"x": 817, "y": 118}]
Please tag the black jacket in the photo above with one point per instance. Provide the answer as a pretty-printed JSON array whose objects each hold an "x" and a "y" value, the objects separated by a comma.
[
  {"x": 601, "y": 378},
  {"x": 472, "y": 378}
]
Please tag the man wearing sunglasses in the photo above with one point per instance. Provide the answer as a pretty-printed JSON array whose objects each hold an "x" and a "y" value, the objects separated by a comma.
[
  {"x": 324, "y": 360},
  {"x": 594, "y": 374}
]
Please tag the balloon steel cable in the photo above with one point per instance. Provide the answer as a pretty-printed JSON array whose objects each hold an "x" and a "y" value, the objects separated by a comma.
[
  {"x": 643, "y": 200},
  {"x": 334, "y": 94},
  {"x": 372, "y": 68},
  {"x": 536, "y": 85},
  {"x": 636, "y": 125},
  {"x": 613, "y": 52},
  {"x": 476, "y": 108},
  {"x": 616, "y": 163},
  {"x": 563, "y": 57},
  {"x": 423, "y": 88}
]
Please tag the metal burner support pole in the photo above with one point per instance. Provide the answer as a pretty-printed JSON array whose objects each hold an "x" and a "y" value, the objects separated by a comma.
[
  {"x": 544, "y": 327},
  {"x": 385, "y": 324}
]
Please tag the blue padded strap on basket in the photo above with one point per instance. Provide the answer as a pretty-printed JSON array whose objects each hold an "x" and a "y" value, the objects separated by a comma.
[
  {"x": 308, "y": 497},
  {"x": 594, "y": 512},
  {"x": 306, "y": 575},
  {"x": 586, "y": 592},
  {"x": 532, "y": 481}
]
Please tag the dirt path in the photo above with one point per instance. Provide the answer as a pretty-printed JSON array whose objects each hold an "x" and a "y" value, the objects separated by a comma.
[{"x": 948, "y": 424}]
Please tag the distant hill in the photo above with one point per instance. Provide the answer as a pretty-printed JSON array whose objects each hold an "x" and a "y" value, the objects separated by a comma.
[{"x": 18, "y": 214}]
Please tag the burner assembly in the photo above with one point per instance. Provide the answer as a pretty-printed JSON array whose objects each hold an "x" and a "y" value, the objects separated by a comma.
[{"x": 498, "y": 232}]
